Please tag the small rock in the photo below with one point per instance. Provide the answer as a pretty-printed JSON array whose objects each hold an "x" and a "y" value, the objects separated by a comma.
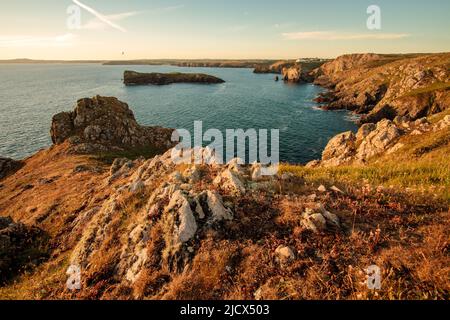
[
  {"x": 331, "y": 218},
  {"x": 284, "y": 254},
  {"x": 230, "y": 180},
  {"x": 336, "y": 189},
  {"x": 256, "y": 172},
  {"x": 322, "y": 188},
  {"x": 314, "y": 221},
  {"x": 258, "y": 294},
  {"x": 215, "y": 205}
]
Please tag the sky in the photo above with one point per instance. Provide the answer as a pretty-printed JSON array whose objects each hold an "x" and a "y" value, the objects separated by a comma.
[{"x": 218, "y": 29}]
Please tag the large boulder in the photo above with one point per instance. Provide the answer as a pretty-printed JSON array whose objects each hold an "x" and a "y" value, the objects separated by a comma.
[
  {"x": 339, "y": 149},
  {"x": 106, "y": 123},
  {"x": 379, "y": 140}
]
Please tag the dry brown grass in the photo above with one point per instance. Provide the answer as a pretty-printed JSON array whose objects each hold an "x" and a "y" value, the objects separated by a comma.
[{"x": 405, "y": 234}]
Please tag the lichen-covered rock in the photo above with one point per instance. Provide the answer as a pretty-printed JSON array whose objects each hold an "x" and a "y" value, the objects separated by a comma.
[
  {"x": 180, "y": 216},
  {"x": 385, "y": 86},
  {"x": 230, "y": 181},
  {"x": 379, "y": 140},
  {"x": 319, "y": 219},
  {"x": 444, "y": 123},
  {"x": 364, "y": 131},
  {"x": 314, "y": 221},
  {"x": 339, "y": 150},
  {"x": 105, "y": 123},
  {"x": 216, "y": 207}
]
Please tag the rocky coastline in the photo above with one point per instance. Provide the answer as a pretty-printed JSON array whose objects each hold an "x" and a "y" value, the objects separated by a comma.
[
  {"x": 385, "y": 86},
  {"x": 143, "y": 227}
]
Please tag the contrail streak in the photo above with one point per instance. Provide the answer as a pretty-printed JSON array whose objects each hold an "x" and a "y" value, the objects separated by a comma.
[{"x": 99, "y": 16}]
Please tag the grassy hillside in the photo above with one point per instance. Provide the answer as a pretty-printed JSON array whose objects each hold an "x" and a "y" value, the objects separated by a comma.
[{"x": 422, "y": 166}]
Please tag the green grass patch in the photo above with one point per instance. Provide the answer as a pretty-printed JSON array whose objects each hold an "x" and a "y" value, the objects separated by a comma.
[{"x": 434, "y": 87}]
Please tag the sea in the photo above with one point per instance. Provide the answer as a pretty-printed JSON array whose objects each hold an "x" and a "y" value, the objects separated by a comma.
[{"x": 30, "y": 94}]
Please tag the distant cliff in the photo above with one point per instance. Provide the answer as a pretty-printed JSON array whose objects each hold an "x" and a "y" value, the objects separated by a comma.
[
  {"x": 135, "y": 78},
  {"x": 386, "y": 86}
]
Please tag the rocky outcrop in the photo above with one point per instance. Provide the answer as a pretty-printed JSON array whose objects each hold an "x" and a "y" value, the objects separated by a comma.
[
  {"x": 132, "y": 78},
  {"x": 385, "y": 86},
  {"x": 293, "y": 74},
  {"x": 340, "y": 149},
  {"x": 383, "y": 136},
  {"x": 103, "y": 124},
  {"x": 275, "y": 68},
  {"x": 318, "y": 219},
  {"x": 20, "y": 247},
  {"x": 8, "y": 166},
  {"x": 373, "y": 140},
  {"x": 183, "y": 205}
]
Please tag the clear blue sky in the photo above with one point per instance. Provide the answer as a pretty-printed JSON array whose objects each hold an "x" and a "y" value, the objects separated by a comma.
[{"x": 220, "y": 28}]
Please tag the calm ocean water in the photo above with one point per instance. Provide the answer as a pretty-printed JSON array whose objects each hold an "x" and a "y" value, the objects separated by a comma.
[{"x": 31, "y": 94}]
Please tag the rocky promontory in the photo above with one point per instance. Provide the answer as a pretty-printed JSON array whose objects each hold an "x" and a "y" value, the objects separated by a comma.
[
  {"x": 105, "y": 124},
  {"x": 377, "y": 139},
  {"x": 132, "y": 78},
  {"x": 275, "y": 68},
  {"x": 386, "y": 86}
]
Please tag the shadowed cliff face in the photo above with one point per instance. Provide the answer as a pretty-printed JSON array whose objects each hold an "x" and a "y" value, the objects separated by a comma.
[
  {"x": 106, "y": 124},
  {"x": 386, "y": 86}
]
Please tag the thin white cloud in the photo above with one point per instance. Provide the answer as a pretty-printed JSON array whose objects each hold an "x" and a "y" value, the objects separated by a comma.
[
  {"x": 101, "y": 21},
  {"x": 97, "y": 24},
  {"x": 333, "y": 35},
  {"x": 100, "y": 16},
  {"x": 168, "y": 9},
  {"x": 36, "y": 41}
]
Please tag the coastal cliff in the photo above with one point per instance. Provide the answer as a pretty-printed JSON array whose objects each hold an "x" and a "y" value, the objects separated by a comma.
[
  {"x": 132, "y": 78},
  {"x": 386, "y": 86},
  {"x": 140, "y": 226}
]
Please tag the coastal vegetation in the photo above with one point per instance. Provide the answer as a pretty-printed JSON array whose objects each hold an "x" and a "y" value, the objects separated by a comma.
[{"x": 107, "y": 197}]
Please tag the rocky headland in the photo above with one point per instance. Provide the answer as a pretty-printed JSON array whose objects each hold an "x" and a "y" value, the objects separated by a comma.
[
  {"x": 275, "y": 68},
  {"x": 140, "y": 226},
  {"x": 385, "y": 86},
  {"x": 105, "y": 124},
  {"x": 132, "y": 78}
]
